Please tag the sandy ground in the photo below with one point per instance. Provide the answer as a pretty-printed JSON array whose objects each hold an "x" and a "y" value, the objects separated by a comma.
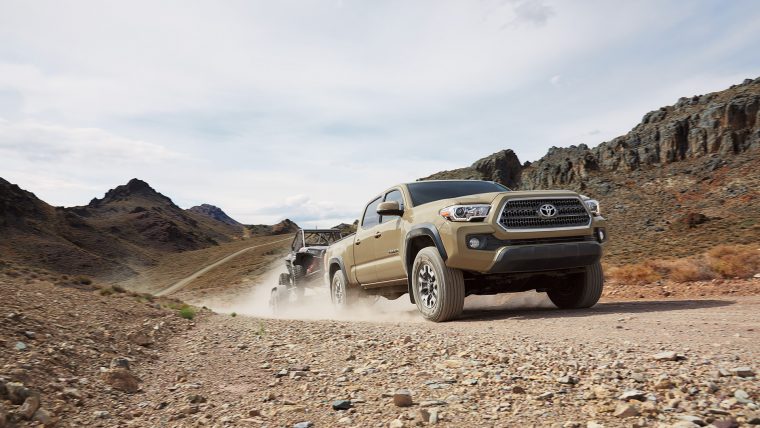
[
  {"x": 510, "y": 360},
  {"x": 494, "y": 367}
]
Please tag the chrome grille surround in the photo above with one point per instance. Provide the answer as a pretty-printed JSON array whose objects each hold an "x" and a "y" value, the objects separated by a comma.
[{"x": 521, "y": 214}]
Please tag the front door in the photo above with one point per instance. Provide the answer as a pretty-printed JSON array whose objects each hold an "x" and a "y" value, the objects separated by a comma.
[
  {"x": 364, "y": 244},
  {"x": 390, "y": 266}
]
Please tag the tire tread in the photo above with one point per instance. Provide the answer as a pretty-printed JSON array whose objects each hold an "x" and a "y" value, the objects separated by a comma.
[{"x": 451, "y": 288}]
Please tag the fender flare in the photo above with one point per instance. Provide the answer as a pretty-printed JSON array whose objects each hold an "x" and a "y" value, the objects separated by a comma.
[
  {"x": 339, "y": 261},
  {"x": 423, "y": 229}
]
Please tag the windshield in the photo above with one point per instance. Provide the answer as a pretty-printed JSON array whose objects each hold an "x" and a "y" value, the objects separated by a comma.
[{"x": 423, "y": 192}]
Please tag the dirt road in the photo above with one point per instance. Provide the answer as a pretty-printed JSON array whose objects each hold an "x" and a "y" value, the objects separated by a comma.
[
  {"x": 185, "y": 281},
  {"x": 494, "y": 367}
]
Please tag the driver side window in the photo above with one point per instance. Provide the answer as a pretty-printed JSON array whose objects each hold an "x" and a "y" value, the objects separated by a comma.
[{"x": 371, "y": 218}]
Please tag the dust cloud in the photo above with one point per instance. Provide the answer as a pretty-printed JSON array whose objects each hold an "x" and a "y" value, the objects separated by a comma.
[{"x": 316, "y": 304}]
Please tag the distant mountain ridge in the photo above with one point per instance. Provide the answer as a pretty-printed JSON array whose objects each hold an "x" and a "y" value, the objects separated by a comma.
[
  {"x": 284, "y": 227},
  {"x": 696, "y": 158},
  {"x": 215, "y": 213},
  {"x": 130, "y": 227}
]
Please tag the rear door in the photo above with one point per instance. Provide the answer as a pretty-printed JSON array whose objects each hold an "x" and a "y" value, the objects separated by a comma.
[
  {"x": 364, "y": 243},
  {"x": 388, "y": 239}
]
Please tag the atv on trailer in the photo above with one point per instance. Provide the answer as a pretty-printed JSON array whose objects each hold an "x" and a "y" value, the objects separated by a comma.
[{"x": 304, "y": 265}]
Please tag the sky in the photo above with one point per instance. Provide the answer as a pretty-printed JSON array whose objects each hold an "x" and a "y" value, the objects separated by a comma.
[{"x": 306, "y": 109}]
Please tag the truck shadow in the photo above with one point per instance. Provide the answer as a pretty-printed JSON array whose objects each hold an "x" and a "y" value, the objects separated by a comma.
[{"x": 603, "y": 308}]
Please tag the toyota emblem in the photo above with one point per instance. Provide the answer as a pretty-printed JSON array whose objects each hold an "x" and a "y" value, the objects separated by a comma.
[{"x": 547, "y": 211}]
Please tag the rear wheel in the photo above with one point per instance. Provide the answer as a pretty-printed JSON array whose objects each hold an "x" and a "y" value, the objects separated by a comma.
[
  {"x": 438, "y": 289},
  {"x": 580, "y": 290},
  {"x": 339, "y": 290}
]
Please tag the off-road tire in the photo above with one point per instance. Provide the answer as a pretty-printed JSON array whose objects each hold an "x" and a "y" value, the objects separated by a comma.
[
  {"x": 298, "y": 272},
  {"x": 447, "y": 301},
  {"x": 579, "y": 291},
  {"x": 275, "y": 301},
  {"x": 348, "y": 295}
]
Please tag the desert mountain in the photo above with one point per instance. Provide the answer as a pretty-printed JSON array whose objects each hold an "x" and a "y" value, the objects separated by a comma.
[
  {"x": 130, "y": 227},
  {"x": 284, "y": 227},
  {"x": 683, "y": 180},
  {"x": 35, "y": 233},
  {"x": 138, "y": 214},
  {"x": 215, "y": 213},
  {"x": 346, "y": 228}
]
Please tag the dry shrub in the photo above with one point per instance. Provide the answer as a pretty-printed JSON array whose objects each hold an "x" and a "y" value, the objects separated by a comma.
[
  {"x": 685, "y": 270},
  {"x": 731, "y": 261},
  {"x": 637, "y": 272},
  {"x": 723, "y": 261}
]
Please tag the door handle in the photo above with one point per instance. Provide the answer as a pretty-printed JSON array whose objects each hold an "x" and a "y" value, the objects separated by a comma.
[
  {"x": 378, "y": 234},
  {"x": 358, "y": 242}
]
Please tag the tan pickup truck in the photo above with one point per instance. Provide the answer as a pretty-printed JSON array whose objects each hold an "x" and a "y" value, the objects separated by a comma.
[{"x": 442, "y": 240}]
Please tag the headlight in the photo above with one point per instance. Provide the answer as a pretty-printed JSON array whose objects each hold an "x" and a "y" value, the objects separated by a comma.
[
  {"x": 592, "y": 205},
  {"x": 465, "y": 212}
]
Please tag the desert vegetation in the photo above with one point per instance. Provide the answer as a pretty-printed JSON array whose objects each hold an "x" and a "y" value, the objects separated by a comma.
[{"x": 721, "y": 262}]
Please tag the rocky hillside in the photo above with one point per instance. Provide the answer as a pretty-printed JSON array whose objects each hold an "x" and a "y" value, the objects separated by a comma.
[
  {"x": 681, "y": 181},
  {"x": 282, "y": 228},
  {"x": 346, "y": 228},
  {"x": 61, "y": 240},
  {"x": 129, "y": 228},
  {"x": 137, "y": 213}
]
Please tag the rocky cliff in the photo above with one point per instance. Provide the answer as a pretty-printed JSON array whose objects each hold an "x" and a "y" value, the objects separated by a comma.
[
  {"x": 695, "y": 159},
  {"x": 720, "y": 124}
]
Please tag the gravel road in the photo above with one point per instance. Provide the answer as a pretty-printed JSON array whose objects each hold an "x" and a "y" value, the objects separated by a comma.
[{"x": 678, "y": 363}]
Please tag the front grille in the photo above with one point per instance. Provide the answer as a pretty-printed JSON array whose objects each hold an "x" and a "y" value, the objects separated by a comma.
[{"x": 522, "y": 214}]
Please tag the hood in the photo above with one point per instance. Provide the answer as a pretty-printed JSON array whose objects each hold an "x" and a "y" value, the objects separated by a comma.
[{"x": 489, "y": 198}]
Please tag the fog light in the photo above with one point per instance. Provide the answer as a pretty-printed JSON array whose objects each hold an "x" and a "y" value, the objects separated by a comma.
[{"x": 473, "y": 242}]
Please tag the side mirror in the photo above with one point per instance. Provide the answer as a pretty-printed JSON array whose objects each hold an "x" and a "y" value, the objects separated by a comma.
[{"x": 389, "y": 208}]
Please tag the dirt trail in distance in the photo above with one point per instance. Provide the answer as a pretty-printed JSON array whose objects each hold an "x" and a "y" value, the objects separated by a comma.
[{"x": 185, "y": 281}]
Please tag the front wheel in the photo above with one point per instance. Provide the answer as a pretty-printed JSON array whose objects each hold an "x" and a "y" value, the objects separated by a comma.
[
  {"x": 438, "y": 289},
  {"x": 275, "y": 302},
  {"x": 579, "y": 290}
]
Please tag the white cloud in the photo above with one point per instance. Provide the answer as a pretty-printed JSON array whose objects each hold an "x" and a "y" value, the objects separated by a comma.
[
  {"x": 534, "y": 11},
  {"x": 243, "y": 104},
  {"x": 39, "y": 142}
]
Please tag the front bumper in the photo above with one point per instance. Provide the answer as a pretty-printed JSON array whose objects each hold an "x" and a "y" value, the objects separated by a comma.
[
  {"x": 535, "y": 258},
  {"x": 528, "y": 251}
]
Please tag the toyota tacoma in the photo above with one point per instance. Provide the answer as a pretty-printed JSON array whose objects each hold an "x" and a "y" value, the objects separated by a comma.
[{"x": 440, "y": 241}]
